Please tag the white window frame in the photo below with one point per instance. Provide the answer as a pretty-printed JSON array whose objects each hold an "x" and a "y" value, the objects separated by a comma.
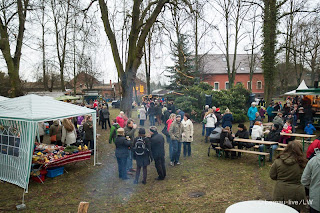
[
  {"x": 258, "y": 84},
  {"x": 225, "y": 85},
  {"x": 214, "y": 85},
  {"x": 248, "y": 84}
]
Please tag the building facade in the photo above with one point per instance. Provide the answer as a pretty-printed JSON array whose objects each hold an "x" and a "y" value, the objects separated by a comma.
[{"x": 214, "y": 71}]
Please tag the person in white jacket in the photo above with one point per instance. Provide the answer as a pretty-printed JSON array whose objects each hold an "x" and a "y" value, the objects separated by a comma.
[
  {"x": 257, "y": 131},
  {"x": 211, "y": 121},
  {"x": 187, "y": 134},
  {"x": 143, "y": 115},
  {"x": 69, "y": 134},
  {"x": 311, "y": 180}
]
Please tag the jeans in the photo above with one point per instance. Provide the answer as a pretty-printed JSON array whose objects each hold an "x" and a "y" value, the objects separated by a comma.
[
  {"x": 122, "y": 167},
  {"x": 271, "y": 150},
  {"x": 186, "y": 148},
  {"x": 170, "y": 146},
  {"x": 209, "y": 130},
  {"x": 203, "y": 129},
  {"x": 251, "y": 123},
  {"x": 152, "y": 120},
  {"x": 270, "y": 118},
  {"x": 141, "y": 122},
  {"x": 129, "y": 161},
  {"x": 176, "y": 150}
]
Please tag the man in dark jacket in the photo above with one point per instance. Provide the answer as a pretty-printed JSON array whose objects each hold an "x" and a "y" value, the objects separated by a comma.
[
  {"x": 158, "y": 152},
  {"x": 129, "y": 131},
  {"x": 105, "y": 117},
  {"x": 274, "y": 136},
  {"x": 122, "y": 145},
  {"x": 88, "y": 135}
]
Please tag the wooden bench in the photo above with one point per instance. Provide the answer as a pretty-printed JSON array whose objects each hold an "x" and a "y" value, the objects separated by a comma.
[
  {"x": 245, "y": 151},
  {"x": 278, "y": 149}
]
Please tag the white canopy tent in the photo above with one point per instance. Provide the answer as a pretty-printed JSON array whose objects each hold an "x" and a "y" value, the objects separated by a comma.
[
  {"x": 3, "y": 98},
  {"x": 301, "y": 86},
  {"x": 19, "y": 119}
]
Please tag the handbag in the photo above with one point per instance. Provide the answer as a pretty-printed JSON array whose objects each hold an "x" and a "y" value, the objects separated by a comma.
[
  {"x": 227, "y": 143},
  {"x": 165, "y": 131},
  {"x": 204, "y": 121},
  {"x": 53, "y": 138}
]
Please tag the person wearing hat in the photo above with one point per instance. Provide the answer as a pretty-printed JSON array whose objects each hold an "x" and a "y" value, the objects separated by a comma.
[
  {"x": 252, "y": 113},
  {"x": 218, "y": 115},
  {"x": 142, "y": 154},
  {"x": 122, "y": 147},
  {"x": 175, "y": 133},
  {"x": 158, "y": 152},
  {"x": 274, "y": 136}
]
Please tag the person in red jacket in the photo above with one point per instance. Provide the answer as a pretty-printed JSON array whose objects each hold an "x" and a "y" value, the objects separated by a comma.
[
  {"x": 315, "y": 144},
  {"x": 169, "y": 122},
  {"x": 122, "y": 119},
  {"x": 287, "y": 128}
]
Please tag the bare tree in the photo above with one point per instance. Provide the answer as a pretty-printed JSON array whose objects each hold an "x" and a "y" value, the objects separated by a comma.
[{"x": 11, "y": 38}]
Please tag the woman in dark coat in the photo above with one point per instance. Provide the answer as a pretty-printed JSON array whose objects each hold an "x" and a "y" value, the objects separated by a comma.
[
  {"x": 142, "y": 155},
  {"x": 287, "y": 170},
  {"x": 122, "y": 147},
  {"x": 227, "y": 119},
  {"x": 226, "y": 133},
  {"x": 241, "y": 133}
]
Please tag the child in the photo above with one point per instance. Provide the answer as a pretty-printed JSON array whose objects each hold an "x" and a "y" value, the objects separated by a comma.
[
  {"x": 309, "y": 129},
  {"x": 113, "y": 131},
  {"x": 262, "y": 112},
  {"x": 287, "y": 128}
]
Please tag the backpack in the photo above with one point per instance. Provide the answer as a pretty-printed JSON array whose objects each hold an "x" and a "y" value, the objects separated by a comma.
[
  {"x": 140, "y": 147},
  {"x": 227, "y": 143}
]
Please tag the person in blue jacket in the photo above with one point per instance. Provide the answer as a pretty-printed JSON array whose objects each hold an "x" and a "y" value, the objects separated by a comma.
[
  {"x": 252, "y": 113},
  {"x": 270, "y": 109},
  {"x": 227, "y": 119},
  {"x": 309, "y": 129}
]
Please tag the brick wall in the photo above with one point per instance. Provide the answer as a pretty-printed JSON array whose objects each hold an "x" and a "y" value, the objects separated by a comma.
[{"x": 243, "y": 78}]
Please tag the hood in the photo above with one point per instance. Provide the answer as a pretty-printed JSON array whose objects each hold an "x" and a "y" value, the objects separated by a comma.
[
  {"x": 317, "y": 157},
  {"x": 56, "y": 123},
  {"x": 256, "y": 127},
  {"x": 289, "y": 160}
]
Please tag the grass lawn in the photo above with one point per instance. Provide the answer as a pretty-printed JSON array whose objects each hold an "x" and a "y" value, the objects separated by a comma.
[{"x": 218, "y": 182}]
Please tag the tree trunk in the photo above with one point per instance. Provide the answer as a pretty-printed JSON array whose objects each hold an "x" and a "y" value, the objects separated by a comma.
[
  {"x": 269, "y": 43},
  {"x": 127, "y": 84}
]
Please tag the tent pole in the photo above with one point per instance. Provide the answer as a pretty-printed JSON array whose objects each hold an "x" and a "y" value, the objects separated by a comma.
[
  {"x": 94, "y": 116},
  {"x": 22, "y": 205}
]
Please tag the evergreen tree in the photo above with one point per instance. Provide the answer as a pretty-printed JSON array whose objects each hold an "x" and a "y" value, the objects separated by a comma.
[{"x": 183, "y": 74}]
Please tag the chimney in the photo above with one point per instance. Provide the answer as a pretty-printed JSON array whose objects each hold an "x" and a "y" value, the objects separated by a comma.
[{"x": 110, "y": 83}]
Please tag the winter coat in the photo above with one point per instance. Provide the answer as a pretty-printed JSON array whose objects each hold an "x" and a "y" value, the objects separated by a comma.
[
  {"x": 151, "y": 111},
  {"x": 215, "y": 134},
  {"x": 181, "y": 113},
  {"x": 122, "y": 147},
  {"x": 143, "y": 113},
  {"x": 41, "y": 128},
  {"x": 252, "y": 113},
  {"x": 287, "y": 129},
  {"x": 166, "y": 115},
  {"x": 120, "y": 121},
  {"x": 274, "y": 135},
  {"x": 157, "y": 145},
  {"x": 287, "y": 172},
  {"x": 242, "y": 134},
  {"x": 211, "y": 120},
  {"x": 175, "y": 131},
  {"x": 262, "y": 112},
  {"x": 56, "y": 129},
  {"x": 279, "y": 121},
  {"x": 129, "y": 131},
  {"x": 88, "y": 128},
  {"x": 105, "y": 113},
  {"x": 113, "y": 132},
  {"x": 157, "y": 110},
  {"x": 309, "y": 129},
  {"x": 169, "y": 122},
  {"x": 187, "y": 131},
  {"x": 313, "y": 145},
  {"x": 143, "y": 160},
  {"x": 257, "y": 132},
  {"x": 311, "y": 179},
  {"x": 258, "y": 119},
  {"x": 227, "y": 120},
  {"x": 223, "y": 135},
  {"x": 68, "y": 137},
  {"x": 270, "y": 110}
]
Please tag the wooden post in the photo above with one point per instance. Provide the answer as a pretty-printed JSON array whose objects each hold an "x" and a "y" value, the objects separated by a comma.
[{"x": 83, "y": 207}]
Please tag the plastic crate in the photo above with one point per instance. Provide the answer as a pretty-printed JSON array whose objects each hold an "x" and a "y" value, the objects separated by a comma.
[
  {"x": 36, "y": 178},
  {"x": 54, "y": 172}
]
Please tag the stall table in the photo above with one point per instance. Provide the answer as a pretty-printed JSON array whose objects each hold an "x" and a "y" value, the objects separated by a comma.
[{"x": 80, "y": 156}]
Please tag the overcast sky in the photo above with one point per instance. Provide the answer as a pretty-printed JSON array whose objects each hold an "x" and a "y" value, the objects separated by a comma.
[{"x": 211, "y": 42}]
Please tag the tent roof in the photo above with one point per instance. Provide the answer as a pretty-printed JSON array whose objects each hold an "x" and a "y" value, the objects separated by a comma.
[
  {"x": 3, "y": 98},
  {"x": 300, "y": 87},
  {"x": 39, "y": 108}
]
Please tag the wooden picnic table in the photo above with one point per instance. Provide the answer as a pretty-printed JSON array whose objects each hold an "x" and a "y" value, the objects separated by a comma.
[
  {"x": 303, "y": 136},
  {"x": 267, "y": 124},
  {"x": 255, "y": 141}
]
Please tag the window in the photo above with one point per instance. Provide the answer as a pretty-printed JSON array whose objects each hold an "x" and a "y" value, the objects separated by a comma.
[
  {"x": 9, "y": 141},
  {"x": 249, "y": 85},
  {"x": 216, "y": 86},
  {"x": 242, "y": 69},
  {"x": 259, "y": 85},
  {"x": 227, "y": 85}
]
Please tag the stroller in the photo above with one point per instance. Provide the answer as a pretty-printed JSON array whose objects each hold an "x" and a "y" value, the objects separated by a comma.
[{"x": 214, "y": 139}]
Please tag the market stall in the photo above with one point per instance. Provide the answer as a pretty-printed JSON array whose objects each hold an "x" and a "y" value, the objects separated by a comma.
[{"x": 19, "y": 118}]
